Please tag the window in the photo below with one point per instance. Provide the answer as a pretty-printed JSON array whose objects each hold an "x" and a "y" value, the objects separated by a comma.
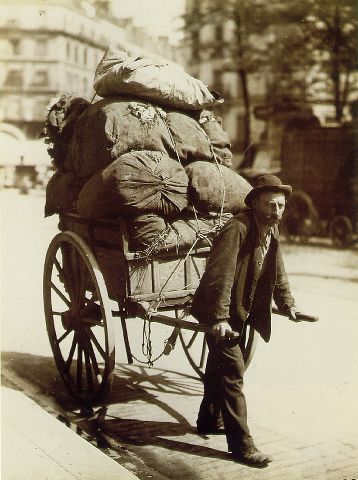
[
  {"x": 40, "y": 78},
  {"x": 15, "y": 46},
  {"x": 14, "y": 78},
  {"x": 195, "y": 46},
  {"x": 41, "y": 47},
  {"x": 218, "y": 81},
  {"x": 219, "y": 40},
  {"x": 68, "y": 49},
  {"x": 219, "y": 33},
  {"x": 85, "y": 56}
]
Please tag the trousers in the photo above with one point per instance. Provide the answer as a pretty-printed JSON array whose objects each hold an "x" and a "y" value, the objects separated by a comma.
[{"x": 223, "y": 394}]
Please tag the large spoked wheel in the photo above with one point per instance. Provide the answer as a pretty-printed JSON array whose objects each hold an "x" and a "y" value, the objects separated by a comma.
[
  {"x": 341, "y": 231},
  {"x": 78, "y": 318},
  {"x": 196, "y": 349}
]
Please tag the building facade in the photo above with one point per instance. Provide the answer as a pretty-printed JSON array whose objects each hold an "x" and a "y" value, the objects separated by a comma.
[
  {"x": 210, "y": 57},
  {"x": 49, "y": 48}
]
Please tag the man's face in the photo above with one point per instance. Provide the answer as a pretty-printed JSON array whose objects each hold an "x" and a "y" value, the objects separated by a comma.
[{"x": 269, "y": 207}]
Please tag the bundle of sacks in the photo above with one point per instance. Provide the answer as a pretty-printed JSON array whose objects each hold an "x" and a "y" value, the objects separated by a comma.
[{"x": 150, "y": 151}]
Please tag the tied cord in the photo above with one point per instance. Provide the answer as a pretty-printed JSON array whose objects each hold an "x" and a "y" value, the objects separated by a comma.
[
  {"x": 159, "y": 241},
  {"x": 147, "y": 348}
]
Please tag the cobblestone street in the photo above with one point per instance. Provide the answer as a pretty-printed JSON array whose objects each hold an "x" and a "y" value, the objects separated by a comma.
[{"x": 301, "y": 388}]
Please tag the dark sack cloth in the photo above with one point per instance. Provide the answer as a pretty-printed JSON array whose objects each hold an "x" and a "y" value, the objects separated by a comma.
[
  {"x": 219, "y": 139},
  {"x": 151, "y": 232},
  {"x": 189, "y": 138},
  {"x": 61, "y": 193},
  {"x": 144, "y": 230},
  {"x": 119, "y": 73},
  {"x": 112, "y": 127},
  {"x": 135, "y": 183},
  {"x": 60, "y": 125},
  {"x": 199, "y": 230},
  {"x": 211, "y": 186}
]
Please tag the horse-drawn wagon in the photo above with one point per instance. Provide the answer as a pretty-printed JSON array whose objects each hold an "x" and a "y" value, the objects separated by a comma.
[{"x": 322, "y": 166}]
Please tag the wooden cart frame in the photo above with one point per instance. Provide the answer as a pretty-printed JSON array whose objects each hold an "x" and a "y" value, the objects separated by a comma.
[{"x": 91, "y": 277}]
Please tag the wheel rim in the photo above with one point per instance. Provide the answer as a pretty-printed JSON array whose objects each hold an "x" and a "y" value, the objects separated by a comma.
[
  {"x": 78, "y": 318},
  {"x": 196, "y": 349}
]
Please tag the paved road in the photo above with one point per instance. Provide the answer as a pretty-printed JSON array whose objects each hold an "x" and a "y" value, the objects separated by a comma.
[{"x": 301, "y": 387}]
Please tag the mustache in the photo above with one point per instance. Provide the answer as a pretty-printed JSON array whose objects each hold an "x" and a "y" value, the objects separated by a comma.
[{"x": 273, "y": 217}]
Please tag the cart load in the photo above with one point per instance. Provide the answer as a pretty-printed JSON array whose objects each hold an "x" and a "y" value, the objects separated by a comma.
[
  {"x": 164, "y": 83},
  {"x": 142, "y": 186},
  {"x": 160, "y": 161}
]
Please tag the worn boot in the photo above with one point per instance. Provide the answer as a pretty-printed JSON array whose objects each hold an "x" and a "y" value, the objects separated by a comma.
[{"x": 251, "y": 456}]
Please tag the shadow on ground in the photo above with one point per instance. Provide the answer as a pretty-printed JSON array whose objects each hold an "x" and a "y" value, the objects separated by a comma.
[{"x": 132, "y": 383}]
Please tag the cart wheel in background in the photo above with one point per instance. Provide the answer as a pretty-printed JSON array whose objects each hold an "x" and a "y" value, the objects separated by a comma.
[
  {"x": 341, "y": 231},
  {"x": 300, "y": 219},
  {"x": 78, "y": 318},
  {"x": 196, "y": 349}
]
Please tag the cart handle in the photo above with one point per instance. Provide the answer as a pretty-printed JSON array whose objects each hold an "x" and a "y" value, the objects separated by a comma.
[{"x": 300, "y": 316}]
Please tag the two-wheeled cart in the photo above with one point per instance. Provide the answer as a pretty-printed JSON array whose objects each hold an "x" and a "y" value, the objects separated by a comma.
[{"x": 91, "y": 277}]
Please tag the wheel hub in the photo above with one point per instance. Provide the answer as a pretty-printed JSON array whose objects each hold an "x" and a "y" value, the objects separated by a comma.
[{"x": 90, "y": 315}]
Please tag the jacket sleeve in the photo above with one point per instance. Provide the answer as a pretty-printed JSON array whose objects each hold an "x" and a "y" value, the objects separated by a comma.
[
  {"x": 218, "y": 280},
  {"x": 282, "y": 292}
]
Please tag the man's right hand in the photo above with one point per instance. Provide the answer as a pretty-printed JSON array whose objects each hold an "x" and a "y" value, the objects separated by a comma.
[{"x": 222, "y": 330}]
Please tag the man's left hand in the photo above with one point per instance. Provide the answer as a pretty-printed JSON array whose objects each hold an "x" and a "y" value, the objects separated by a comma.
[{"x": 292, "y": 311}]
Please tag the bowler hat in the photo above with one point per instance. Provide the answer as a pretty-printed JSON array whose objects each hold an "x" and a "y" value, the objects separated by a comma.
[{"x": 267, "y": 183}]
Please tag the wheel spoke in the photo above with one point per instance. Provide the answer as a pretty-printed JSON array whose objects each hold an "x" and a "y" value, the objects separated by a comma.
[
  {"x": 59, "y": 268},
  {"x": 60, "y": 294},
  {"x": 98, "y": 346},
  {"x": 71, "y": 353},
  {"x": 63, "y": 336},
  {"x": 88, "y": 371},
  {"x": 92, "y": 354},
  {"x": 192, "y": 340},
  {"x": 67, "y": 269}
]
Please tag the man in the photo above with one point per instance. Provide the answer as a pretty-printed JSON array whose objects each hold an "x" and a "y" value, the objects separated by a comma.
[{"x": 245, "y": 272}]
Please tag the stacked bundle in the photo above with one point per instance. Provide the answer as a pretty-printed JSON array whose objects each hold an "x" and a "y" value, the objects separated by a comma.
[{"x": 148, "y": 151}]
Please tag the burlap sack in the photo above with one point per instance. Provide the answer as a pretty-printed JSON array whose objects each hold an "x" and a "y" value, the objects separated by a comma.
[
  {"x": 60, "y": 125},
  {"x": 112, "y": 127},
  {"x": 200, "y": 230},
  {"x": 144, "y": 230},
  {"x": 153, "y": 234},
  {"x": 212, "y": 186},
  {"x": 62, "y": 192},
  {"x": 136, "y": 183},
  {"x": 166, "y": 84},
  {"x": 189, "y": 138},
  {"x": 219, "y": 139}
]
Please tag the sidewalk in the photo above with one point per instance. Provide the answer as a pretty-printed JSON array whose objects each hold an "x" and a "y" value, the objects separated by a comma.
[{"x": 34, "y": 445}]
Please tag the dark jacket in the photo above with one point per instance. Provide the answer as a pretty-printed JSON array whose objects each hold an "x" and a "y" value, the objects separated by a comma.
[{"x": 231, "y": 286}]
